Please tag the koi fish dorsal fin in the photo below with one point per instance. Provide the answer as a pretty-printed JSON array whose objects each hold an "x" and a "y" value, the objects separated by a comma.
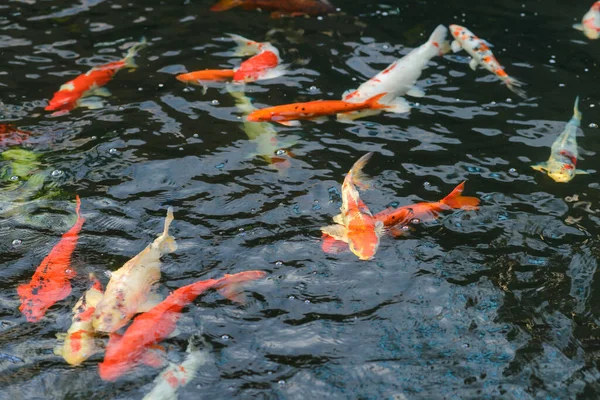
[
  {"x": 224, "y": 5},
  {"x": 231, "y": 286},
  {"x": 456, "y": 200}
]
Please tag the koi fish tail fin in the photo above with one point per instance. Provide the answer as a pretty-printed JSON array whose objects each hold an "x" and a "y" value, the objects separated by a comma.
[
  {"x": 576, "y": 120},
  {"x": 167, "y": 242},
  {"x": 456, "y": 200},
  {"x": 224, "y": 5},
  {"x": 245, "y": 47},
  {"x": 133, "y": 52},
  {"x": 231, "y": 286},
  {"x": 359, "y": 178},
  {"x": 373, "y": 102},
  {"x": 439, "y": 41},
  {"x": 399, "y": 105},
  {"x": 514, "y": 86}
]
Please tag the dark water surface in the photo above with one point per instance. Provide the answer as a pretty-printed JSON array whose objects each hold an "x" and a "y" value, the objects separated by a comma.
[{"x": 496, "y": 303}]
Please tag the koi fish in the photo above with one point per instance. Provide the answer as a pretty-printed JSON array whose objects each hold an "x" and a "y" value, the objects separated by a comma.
[
  {"x": 10, "y": 135},
  {"x": 590, "y": 24},
  {"x": 51, "y": 281},
  {"x": 395, "y": 218},
  {"x": 482, "y": 55},
  {"x": 399, "y": 78},
  {"x": 206, "y": 75},
  {"x": 561, "y": 166},
  {"x": 291, "y": 8},
  {"x": 355, "y": 224},
  {"x": 288, "y": 114},
  {"x": 264, "y": 134},
  {"x": 176, "y": 376},
  {"x": 149, "y": 328},
  {"x": 128, "y": 291},
  {"x": 73, "y": 93},
  {"x": 79, "y": 341}
]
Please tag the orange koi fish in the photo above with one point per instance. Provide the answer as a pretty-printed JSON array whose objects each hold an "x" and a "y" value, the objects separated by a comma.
[
  {"x": 206, "y": 75},
  {"x": 355, "y": 224},
  {"x": 482, "y": 55},
  {"x": 288, "y": 114},
  {"x": 79, "y": 341},
  {"x": 281, "y": 8},
  {"x": 123, "y": 353},
  {"x": 590, "y": 24},
  {"x": 10, "y": 135},
  {"x": 73, "y": 93},
  {"x": 51, "y": 280}
]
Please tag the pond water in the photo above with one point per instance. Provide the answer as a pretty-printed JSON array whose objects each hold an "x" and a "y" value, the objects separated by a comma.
[{"x": 499, "y": 302}]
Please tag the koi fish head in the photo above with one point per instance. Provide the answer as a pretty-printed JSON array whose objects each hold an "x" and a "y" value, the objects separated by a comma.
[
  {"x": 63, "y": 100},
  {"x": 363, "y": 240},
  {"x": 456, "y": 30},
  {"x": 562, "y": 175},
  {"x": 78, "y": 347}
]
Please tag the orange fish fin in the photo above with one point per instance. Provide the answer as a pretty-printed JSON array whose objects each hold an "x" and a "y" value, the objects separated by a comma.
[
  {"x": 154, "y": 357},
  {"x": 456, "y": 200},
  {"x": 373, "y": 102},
  {"x": 231, "y": 286},
  {"x": 289, "y": 123},
  {"x": 331, "y": 245},
  {"x": 398, "y": 231},
  {"x": 224, "y": 5}
]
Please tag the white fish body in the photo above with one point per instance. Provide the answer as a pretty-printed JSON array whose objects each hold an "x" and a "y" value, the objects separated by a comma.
[{"x": 590, "y": 24}]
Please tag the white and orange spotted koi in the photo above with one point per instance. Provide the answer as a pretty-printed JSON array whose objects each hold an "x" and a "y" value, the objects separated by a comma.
[
  {"x": 482, "y": 55},
  {"x": 590, "y": 24}
]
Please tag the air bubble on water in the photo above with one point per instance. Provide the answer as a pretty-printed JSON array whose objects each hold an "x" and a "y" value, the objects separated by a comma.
[
  {"x": 522, "y": 14},
  {"x": 280, "y": 152},
  {"x": 466, "y": 345},
  {"x": 313, "y": 88},
  {"x": 140, "y": 89},
  {"x": 188, "y": 89},
  {"x": 279, "y": 263},
  {"x": 512, "y": 171},
  {"x": 94, "y": 138},
  {"x": 586, "y": 70},
  {"x": 160, "y": 85},
  {"x": 17, "y": 242},
  {"x": 493, "y": 103},
  {"x": 225, "y": 337},
  {"x": 56, "y": 173},
  {"x": 405, "y": 228},
  {"x": 253, "y": 210},
  {"x": 113, "y": 151},
  {"x": 426, "y": 184},
  {"x": 67, "y": 271},
  {"x": 195, "y": 135},
  {"x": 215, "y": 102},
  {"x": 241, "y": 229},
  {"x": 181, "y": 149},
  {"x": 354, "y": 79},
  {"x": 415, "y": 221},
  {"x": 306, "y": 301},
  {"x": 385, "y": 46},
  {"x": 291, "y": 297},
  {"x": 593, "y": 125},
  {"x": 509, "y": 100},
  {"x": 561, "y": 85},
  {"x": 14, "y": 178},
  {"x": 269, "y": 372},
  {"x": 281, "y": 382},
  {"x": 220, "y": 166},
  {"x": 552, "y": 61},
  {"x": 592, "y": 105}
]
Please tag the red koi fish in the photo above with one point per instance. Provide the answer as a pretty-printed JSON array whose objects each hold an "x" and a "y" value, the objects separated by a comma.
[
  {"x": 51, "y": 280},
  {"x": 288, "y": 114},
  {"x": 282, "y": 8},
  {"x": 10, "y": 135},
  {"x": 73, "y": 93},
  {"x": 149, "y": 328}
]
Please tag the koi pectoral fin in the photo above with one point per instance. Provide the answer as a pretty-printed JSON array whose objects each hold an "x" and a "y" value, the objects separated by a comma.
[
  {"x": 473, "y": 64},
  {"x": 579, "y": 27},
  {"x": 338, "y": 232},
  {"x": 416, "y": 92},
  {"x": 151, "y": 301},
  {"x": 582, "y": 172},
  {"x": 289, "y": 123},
  {"x": 543, "y": 167},
  {"x": 101, "y": 91},
  {"x": 455, "y": 46}
]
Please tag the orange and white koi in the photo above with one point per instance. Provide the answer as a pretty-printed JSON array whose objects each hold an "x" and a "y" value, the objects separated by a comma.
[
  {"x": 291, "y": 8},
  {"x": 51, "y": 281},
  {"x": 289, "y": 114},
  {"x": 73, "y": 93},
  {"x": 399, "y": 78},
  {"x": 128, "y": 291},
  {"x": 355, "y": 224},
  {"x": 482, "y": 55},
  {"x": 176, "y": 376},
  {"x": 80, "y": 341},
  {"x": 590, "y": 24},
  {"x": 562, "y": 164},
  {"x": 149, "y": 328}
]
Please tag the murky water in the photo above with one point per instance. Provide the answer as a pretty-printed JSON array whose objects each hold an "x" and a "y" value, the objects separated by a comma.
[{"x": 495, "y": 303}]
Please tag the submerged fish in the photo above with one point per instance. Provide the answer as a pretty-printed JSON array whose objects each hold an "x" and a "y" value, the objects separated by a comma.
[
  {"x": 128, "y": 291},
  {"x": 281, "y": 8},
  {"x": 355, "y": 224},
  {"x": 482, "y": 55},
  {"x": 149, "y": 328},
  {"x": 561, "y": 166},
  {"x": 590, "y": 24},
  {"x": 10, "y": 135},
  {"x": 51, "y": 281},
  {"x": 399, "y": 78},
  {"x": 73, "y": 93},
  {"x": 289, "y": 114},
  {"x": 176, "y": 376},
  {"x": 80, "y": 341}
]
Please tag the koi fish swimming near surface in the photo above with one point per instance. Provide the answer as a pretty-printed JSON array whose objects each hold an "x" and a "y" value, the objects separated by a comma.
[
  {"x": 355, "y": 224},
  {"x": 562, "y": 164},
  {"x": 129, "y": 290},
  {"x": 264, "y": 64},
  {"x": 51, "y": 281},
  {"x": 80, "y": 340},
  {"x": 75, "y": 92},
  {"x": 482, "y": 55},
  {"x": 395, "y": 219},
  {"x": 590, "y": 24},
  {"x": 399, "y": 78},
  {"x": 135, "y": 346},
  {"x": 282, "y": 8},
  {"x": 10, "y": 135},
  {"x": 289, "y": 114}
]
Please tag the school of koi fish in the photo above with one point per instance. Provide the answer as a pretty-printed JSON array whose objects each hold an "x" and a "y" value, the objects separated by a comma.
[{"x": 126, "y": 318}]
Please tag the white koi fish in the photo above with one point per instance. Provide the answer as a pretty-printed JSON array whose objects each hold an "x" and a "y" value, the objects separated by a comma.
[
  {"x": 128, "y": 291},
  {"x": 590, "y": 24},
  {"x": 79, "y": 341},
  {"x": 176, "y": 376},
  {"x": 399, "y": 78},
  {"x": 561, "y": 166},
  {"x": 482, "y": 55}
]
